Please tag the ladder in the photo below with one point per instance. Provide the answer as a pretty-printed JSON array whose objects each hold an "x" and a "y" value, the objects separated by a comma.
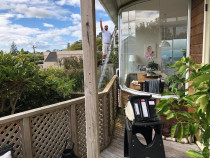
[{"x": 106, "y": 60}]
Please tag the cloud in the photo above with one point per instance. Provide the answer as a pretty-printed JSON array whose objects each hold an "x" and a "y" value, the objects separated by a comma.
[
  {"x": 17, "y": 1},
  {"x": 4, "y": 18},
  {"x": 99, "y": 6},
  {"x": 34, "y": 9},
  {"x": 76, "y": 3},
  {"x": 47, "y": 25},
  {"x": 45, "y": 39},
  {"x": 50, "y": 37},
  {"x": 76, "y": 18}
]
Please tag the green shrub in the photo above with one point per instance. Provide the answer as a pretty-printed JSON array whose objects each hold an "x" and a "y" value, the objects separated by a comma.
[
  {"x": 188, "y": 124},
  {"x": 24, "y": 86},
  {"x": 17, "y": 74}
]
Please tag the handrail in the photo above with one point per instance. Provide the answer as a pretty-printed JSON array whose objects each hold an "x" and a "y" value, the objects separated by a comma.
[
  {"x": 45, "y": 109},
  {"x": 108, "y": 86}
]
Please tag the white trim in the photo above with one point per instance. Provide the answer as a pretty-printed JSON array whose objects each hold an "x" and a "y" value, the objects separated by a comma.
[
  {"x": 206, "y": 35},
  {"x": 188, "y": 38},
  {"x": 119, "y": 47},
  {"x": 157, "y": 96}
]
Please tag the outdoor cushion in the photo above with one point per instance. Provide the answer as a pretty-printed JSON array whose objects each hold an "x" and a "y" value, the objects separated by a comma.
[
  {"x": 6, "y": 151},
  {"x": 7, "y": 155}
]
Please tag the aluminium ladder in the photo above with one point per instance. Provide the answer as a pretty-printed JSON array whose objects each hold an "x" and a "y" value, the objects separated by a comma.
[{"x": 107, "y": 59}]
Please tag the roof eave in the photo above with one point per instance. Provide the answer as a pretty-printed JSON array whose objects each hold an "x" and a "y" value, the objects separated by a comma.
[{"x": 114, "y": 17}]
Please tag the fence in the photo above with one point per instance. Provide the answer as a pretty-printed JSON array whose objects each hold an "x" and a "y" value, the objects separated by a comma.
[{"x": 40, "y": 133}]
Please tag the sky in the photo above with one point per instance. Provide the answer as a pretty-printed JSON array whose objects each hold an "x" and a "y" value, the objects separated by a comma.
[{"x": 49, "y": 24}]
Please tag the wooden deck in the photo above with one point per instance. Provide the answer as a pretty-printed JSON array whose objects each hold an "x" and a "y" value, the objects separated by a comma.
[{"x": 115, "y": 150}]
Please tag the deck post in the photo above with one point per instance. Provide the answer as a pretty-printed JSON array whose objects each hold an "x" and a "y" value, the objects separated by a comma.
[
  {"x": 73, "y": 117},
  {"x": 27, "y": 142},
  {"x": 90, "y": 79}
]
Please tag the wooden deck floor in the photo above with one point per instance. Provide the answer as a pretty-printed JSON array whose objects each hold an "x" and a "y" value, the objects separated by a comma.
[{"x": 115, "y": 150}]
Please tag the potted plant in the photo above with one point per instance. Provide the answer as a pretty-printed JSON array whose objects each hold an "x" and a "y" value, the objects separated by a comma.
[{"x": 152, "y": 65}]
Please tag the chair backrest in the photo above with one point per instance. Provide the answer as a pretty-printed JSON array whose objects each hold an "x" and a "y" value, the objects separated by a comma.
[{"x": 143, "y": 108}]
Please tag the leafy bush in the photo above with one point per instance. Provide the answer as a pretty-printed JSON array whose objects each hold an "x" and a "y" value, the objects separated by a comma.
[
  {"x": 17, "y": 74},
  {"x": 115, "y": 59},
  {"x": 52, "y": 86},
  {"x": 74, "y": 68},
  {"x": 188, "y": 124},
  {"x": 24, "y": 86},
  {"x": 76, "y": 46}
]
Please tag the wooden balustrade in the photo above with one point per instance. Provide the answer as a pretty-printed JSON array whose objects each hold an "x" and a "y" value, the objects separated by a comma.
[{"x": 42, "y": 132}]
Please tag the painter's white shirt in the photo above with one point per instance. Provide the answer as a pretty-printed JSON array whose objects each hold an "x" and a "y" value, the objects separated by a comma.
[{"x": 106, "y": 37}]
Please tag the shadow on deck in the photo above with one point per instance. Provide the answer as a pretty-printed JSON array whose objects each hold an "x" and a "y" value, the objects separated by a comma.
[{"x": 116, "y": 148}]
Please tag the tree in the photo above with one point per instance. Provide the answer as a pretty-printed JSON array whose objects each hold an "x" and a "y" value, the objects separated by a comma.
[
  {"x": 99, "y": 44},
  {"x": 74, "y": 69},
  {"x": 22, "y": 51},
  {"x": 13, "y": 48},
  {"x": 76, "y": 46},
  {"x": 16, "y": 75},
  {"x": 99, "y": 35},
  {"x": 24, "y": 86},
  {"x": 68, "y": 45}
]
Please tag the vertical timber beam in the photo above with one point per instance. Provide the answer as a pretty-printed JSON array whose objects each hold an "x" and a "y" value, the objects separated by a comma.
[
  {"x": 90, "y": 79},
  {"x": 27, "y": 138}
]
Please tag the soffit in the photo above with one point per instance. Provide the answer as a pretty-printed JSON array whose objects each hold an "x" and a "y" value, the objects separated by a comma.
[{"x": 112, "y": 7}]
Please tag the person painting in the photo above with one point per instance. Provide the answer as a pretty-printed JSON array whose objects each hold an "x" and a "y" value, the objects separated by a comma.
[{"x": 106, "y": 36}]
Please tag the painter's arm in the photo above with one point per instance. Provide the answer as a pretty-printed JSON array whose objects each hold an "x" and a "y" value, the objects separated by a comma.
[{"x": 101, "y": 25}]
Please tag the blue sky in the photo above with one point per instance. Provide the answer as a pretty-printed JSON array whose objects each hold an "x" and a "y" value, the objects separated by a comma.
[{"x": 50, "y": 24}]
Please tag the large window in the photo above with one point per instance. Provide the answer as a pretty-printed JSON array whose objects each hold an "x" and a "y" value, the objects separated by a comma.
[{"x": 153, "y": 35}]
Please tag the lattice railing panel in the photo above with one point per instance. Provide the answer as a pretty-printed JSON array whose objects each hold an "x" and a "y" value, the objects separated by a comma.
[
  {"x": 11, "y": 133},
  {"x": 81, "y": 129},
  {"x": 111, "y": 110},
  {"x": 101, "y": 121},
  {"x": 49, "y": 132},
  {"x": 115, "y": 90},
  {"x": 108, "y": 114},
  {"x": 44, "y": 133}
]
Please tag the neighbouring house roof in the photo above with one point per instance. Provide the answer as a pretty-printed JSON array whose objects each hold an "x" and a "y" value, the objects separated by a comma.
[
  {"x": 52, "y": 57},
  {"x": 69, "y": 53},
  {"x": 112, "y": 7}
]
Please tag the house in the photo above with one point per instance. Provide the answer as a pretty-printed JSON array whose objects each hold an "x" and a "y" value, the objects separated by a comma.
[
  {"x": 52, "y": 58},
  {"x": 42, "y": 132}
]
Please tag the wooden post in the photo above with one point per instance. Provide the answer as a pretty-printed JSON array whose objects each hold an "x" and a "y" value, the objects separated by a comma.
[
  {"x": 74, "y": 128},
  {"x": 90, "y": 79},
  {"x": 27, "y": 143}
]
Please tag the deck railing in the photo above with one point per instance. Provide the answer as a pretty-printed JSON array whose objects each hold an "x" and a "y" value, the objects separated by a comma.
[{"x": 42, "y": 132}]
